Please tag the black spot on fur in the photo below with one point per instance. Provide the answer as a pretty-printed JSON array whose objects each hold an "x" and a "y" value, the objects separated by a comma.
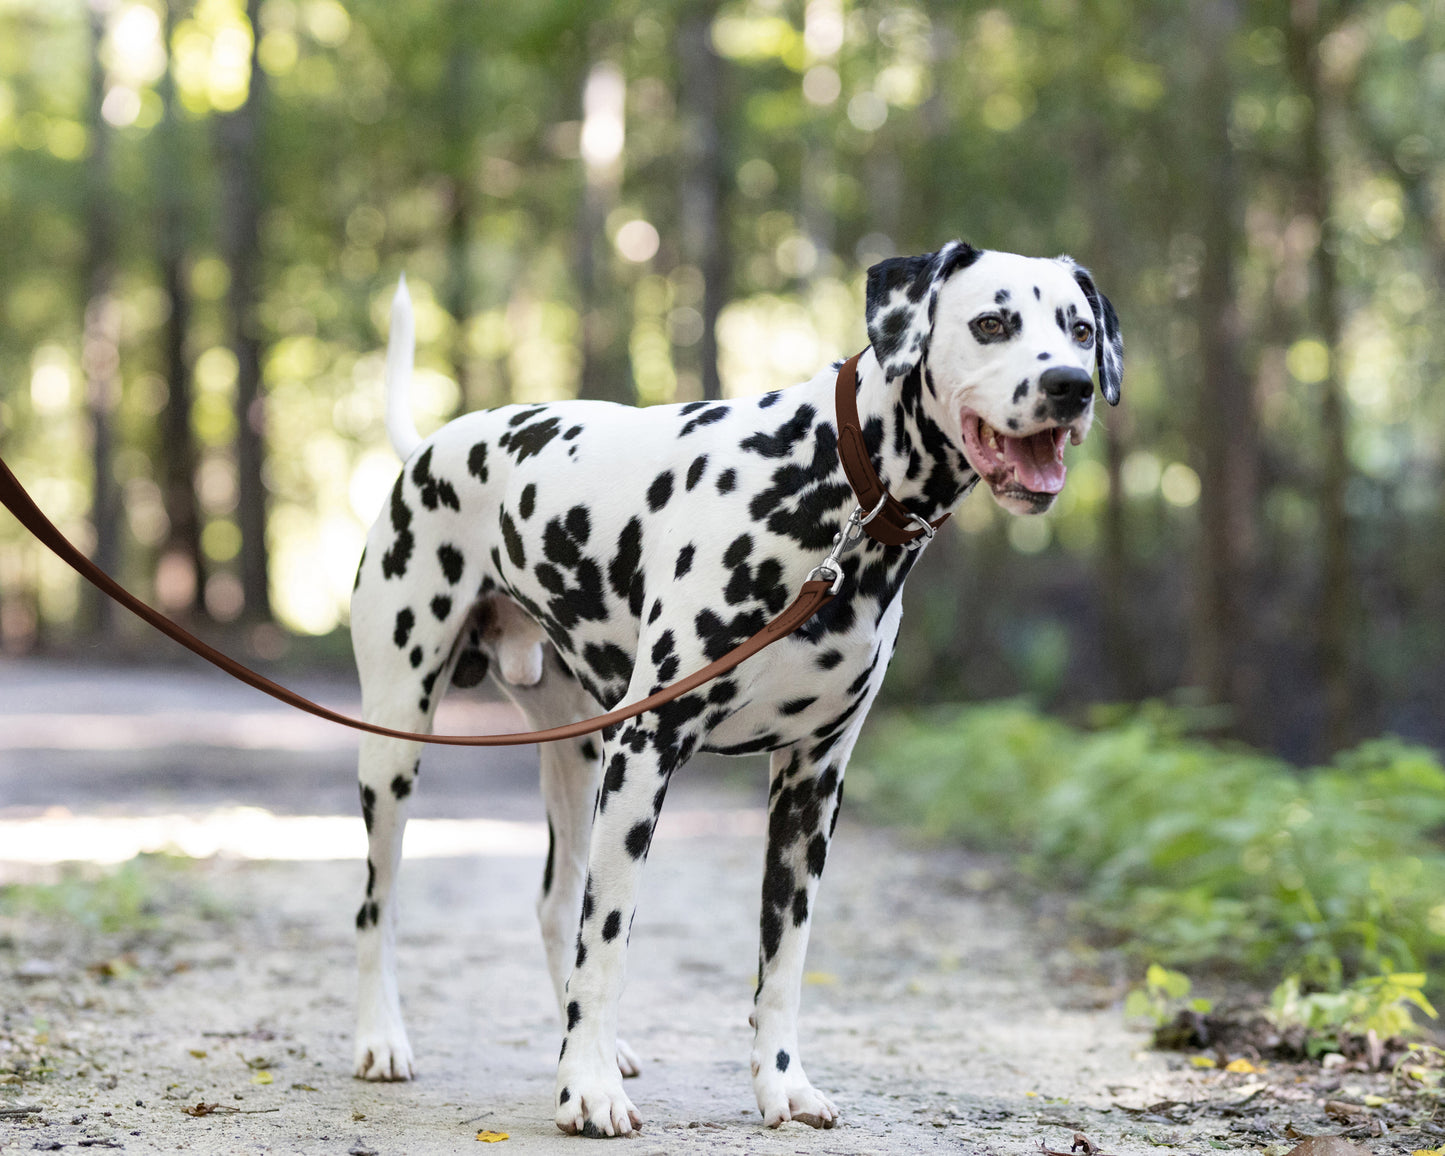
[
  {"x": 611, "y": 925},
  {"x": 528, "y": 501},
  {"x": 717, "y": 413},
  {"x": 441, "y": 606},
  {"x": 829, "y": 659},
  {"x": 623, "y": 573},
  {"x": 817, "y": 854},
  {"x": 613, "y": 780},
  {"x": 530, "y": 440},
  {"x": 797, "y": 705},
  {"x": 452, "y": 562},
  {"x": 660, "y": 491},
  {"x": 768, "y": 400},
  {"x": 551, "y": 854},
  {"x": 572, "y": 433},
  {"x": 727, "y": 481},
  {"x": 415, "y": 657},
  {"x": 566, "y": 1093},
  {"x": 1021, "y": 390},
  {"x": 639, "y": 838},
  {"x": 367, "y": 916},
  {"x": 782, "y": 1060},
  {"x": 784, "y": 439},
  {"x": 588, "y": 749},
  {"x": 684, "y": 560},
  {"x": 513, "y": 541},
  {"x": 695, "y": 471},
  {"x": 477, "y": 462},
  {"x": 581, "y": 953},
  {"x": 434, "y": 491},
  {"x": 368, "y": 807},
  {"x": 393, "y": 562},
  {"x": 574, "y": 1013},
  {"x": 405, "y": 620},
  {"x": 401, "y": 786}
]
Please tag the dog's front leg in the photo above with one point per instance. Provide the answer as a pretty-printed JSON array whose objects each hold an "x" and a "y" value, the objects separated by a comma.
[
  {"x": 388, "y": 771},
  {"x": 637, "y": 759},
  {"x": 805, "y": 790}
]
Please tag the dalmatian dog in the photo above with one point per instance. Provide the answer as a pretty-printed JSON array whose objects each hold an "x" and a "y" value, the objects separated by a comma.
[{"x": 587, "y": 554}]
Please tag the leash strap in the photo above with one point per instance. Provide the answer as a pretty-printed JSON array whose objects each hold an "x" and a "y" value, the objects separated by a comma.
[
  {"x": 891, "y": 522},
  {"x": 814, "y": 595}
]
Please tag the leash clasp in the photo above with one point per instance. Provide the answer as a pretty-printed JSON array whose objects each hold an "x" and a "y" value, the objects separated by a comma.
[{"x": 830, "y": 569}]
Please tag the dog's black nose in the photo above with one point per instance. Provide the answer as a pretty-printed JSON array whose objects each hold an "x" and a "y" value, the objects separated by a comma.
[{"x": 1067, "y": 386}]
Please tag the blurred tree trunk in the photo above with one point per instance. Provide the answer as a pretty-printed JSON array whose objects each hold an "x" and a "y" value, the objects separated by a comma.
[
  {"x": 704, "y": 179},
  {"x": 605, "y": 365},
  {"x": 458, "y": 111},
  {"x": 178, "y": 453},
  {"x": 238, "y": 136},
  {"x": 1339, "y": 597},
  {"x": 1226, "y": 425},
  {"x": 100, "y": 339}
]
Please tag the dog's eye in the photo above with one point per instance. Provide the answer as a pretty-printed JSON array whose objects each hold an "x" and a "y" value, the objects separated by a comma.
[
  {"x": 990, "y": 326},
  {"x": 1083, "y": 332}
]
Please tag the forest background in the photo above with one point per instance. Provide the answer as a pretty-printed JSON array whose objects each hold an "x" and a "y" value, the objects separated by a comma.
[{"x": 205, "y": 205}]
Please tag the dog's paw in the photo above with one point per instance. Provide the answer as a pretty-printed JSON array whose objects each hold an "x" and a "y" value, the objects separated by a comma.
[
  {"x": 784, "y": 1096},
  {"x": 595, "y": 1106},
  {"x": 627, "y": 1062},
  {"x": 384, "y": 1056}
]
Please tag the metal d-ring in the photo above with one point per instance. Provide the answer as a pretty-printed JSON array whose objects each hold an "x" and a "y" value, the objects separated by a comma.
[{"x": 925, "y": 537}]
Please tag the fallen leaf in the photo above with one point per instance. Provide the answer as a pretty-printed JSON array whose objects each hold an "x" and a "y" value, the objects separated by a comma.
[
  {"x": 1203, "y": 1061},
  {"x": 492, "y": 1137},
  {"x": 1374, "y": 1101},
  {"x": 1240, "y": 1065},
  {"x": 1328, "y": 1146},
  {"x": 302, "y": 1088},
  {"x": 199, "y": 1053},
  {"x": 1440, "y": 1151},
  {"x": 200, "y": 1109},
  {"x": 262, "y": 1077}
]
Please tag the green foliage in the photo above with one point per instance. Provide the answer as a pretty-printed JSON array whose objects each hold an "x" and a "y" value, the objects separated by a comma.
[
  {"x": 1378, "y": 1003},
  {"x": 1164, "y": 994},
  {"x": 133, "y": 897},
  {"x": 1192, "y": 853}
]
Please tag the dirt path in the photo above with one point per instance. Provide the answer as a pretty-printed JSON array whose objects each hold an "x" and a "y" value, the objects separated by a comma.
[{"x": 937, "y": 1017}]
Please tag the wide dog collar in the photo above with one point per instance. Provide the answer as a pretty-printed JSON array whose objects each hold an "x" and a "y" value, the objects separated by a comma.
[{"x": 884, "y": 518}]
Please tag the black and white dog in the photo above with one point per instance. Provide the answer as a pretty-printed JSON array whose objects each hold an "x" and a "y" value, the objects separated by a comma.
[{"x": 589, "y": 554}]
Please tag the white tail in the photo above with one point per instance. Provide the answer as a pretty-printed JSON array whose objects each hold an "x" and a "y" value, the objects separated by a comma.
[{"x": 400, "y": 355}]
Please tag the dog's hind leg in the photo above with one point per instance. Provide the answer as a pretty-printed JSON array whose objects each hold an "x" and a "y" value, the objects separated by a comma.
[
  {"x": 571, "y": 772},
  {"x": 404, "y": 659},
  {"x": 805, "y": 790},
  {"x": 388, "y": 769}
]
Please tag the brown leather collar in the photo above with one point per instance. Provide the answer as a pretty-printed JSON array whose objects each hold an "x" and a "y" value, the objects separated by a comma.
[{"x": 893, "y": 524}]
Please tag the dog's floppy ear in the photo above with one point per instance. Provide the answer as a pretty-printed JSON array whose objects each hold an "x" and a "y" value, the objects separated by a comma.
[
  {"x": 902, "y": 295},
  {"x": 1109, "y": 344}
]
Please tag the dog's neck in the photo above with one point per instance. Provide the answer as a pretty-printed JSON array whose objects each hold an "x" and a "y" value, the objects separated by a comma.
[{"x": 917, "y": 462}]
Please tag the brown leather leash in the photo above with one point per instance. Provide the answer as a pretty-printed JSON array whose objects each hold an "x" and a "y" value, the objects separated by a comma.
[{"x": 884, "y": 523}]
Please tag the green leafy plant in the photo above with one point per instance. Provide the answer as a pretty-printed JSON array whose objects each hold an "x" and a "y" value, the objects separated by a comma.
[
  {"x": 1376, "y": 1003},
  {"x": 1188, "y": 853},
  {"x": 1164, "y": 994}
]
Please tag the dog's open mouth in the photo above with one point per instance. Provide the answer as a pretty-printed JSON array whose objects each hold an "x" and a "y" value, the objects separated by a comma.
[{"x": 1032, "y": 464}]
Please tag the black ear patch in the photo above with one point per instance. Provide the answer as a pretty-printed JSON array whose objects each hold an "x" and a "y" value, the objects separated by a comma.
[
  {"x": 901, "y": 298},
  {"x": 1109, "y": 343}
]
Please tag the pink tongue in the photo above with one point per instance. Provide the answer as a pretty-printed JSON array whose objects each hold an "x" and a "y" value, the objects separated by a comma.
[{"x": 1034, "y": 463}]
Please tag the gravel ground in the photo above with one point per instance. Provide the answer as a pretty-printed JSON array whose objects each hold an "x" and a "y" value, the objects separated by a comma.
[{"x": 940, "y": 1012}]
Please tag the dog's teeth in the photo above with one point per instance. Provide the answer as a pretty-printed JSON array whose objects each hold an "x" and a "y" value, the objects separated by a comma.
[{"x": 1074, "y": 438}]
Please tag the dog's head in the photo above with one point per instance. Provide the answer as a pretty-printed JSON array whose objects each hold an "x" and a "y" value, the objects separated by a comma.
[{"x": 1008, "y": 347}]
